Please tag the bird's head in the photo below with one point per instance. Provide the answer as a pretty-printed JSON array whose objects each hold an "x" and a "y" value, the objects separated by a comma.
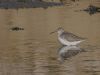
[{"x": 58, "y": 30}]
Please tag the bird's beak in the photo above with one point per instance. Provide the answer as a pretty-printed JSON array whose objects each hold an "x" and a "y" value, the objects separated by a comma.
[{"x": 53, "y": 32}]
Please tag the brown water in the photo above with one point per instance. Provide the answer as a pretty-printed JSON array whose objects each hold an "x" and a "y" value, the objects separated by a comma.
[{"x": 34, "y": 51}]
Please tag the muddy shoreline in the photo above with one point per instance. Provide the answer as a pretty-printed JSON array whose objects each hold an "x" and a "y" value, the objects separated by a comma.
[{"x": 16, "y": 5}]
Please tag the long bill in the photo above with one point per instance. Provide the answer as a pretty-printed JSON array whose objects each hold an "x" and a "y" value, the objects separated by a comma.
[{"x": 53, "y": 32}]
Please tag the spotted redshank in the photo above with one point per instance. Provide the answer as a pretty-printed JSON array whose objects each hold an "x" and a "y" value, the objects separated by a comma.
[{"x": 67, "y": 38}]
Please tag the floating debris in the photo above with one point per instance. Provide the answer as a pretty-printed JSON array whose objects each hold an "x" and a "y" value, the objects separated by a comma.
[
  {"x": 16, "y": 28},
  {"x": 91, "y": 9}
]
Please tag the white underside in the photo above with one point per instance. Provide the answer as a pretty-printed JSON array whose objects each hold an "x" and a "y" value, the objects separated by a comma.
[{"x": 65, "y": 42}]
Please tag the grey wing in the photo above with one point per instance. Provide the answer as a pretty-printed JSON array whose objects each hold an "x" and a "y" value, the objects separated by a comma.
[{"x": 71, "y": 37}]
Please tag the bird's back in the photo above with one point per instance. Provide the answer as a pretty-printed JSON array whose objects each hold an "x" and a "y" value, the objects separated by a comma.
[{"x": 71, "y": 37}]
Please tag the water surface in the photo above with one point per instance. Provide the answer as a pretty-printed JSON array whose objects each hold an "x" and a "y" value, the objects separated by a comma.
[{"x": 33, "y": 51}]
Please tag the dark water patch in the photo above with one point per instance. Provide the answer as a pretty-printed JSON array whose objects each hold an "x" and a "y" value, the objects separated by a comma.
[
  {"x": 90, "y": 71},
  {"x": 52, "y": 58},
  {"x": 91, "y": 66},
  {"x": 53, "y": 68},
  {"x": 94, "y": 70},
  {"x": 62, "y": 71},
  {"x": 91, "y": 48},
  {"x": 91, "y": 60},
  {"x": 28, "y": 43},
  {"x": 35, "y": 4}
]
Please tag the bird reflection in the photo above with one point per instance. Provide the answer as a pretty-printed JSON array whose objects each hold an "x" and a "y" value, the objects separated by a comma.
[{"x": 66, "y": 52}]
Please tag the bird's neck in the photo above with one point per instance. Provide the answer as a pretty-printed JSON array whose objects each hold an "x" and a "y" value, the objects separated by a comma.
[{"x": 60, "y": 32}]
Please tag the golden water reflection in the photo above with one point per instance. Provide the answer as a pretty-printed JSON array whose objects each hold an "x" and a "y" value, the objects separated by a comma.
[{"x": 34, "y": 52}]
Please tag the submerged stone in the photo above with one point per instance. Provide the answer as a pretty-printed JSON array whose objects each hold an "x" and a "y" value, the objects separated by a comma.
[
  {"x": 16, "y": 28},
  {"x": 92, "y": 9}
]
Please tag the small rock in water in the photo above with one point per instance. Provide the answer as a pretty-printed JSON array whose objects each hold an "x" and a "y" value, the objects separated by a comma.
[
  {"x": 92, "y": 9},
  {"x": 16, "y": 28}
]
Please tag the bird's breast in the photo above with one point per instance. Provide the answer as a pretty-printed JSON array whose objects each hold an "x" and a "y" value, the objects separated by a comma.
[{"x": 63, "y": 41}]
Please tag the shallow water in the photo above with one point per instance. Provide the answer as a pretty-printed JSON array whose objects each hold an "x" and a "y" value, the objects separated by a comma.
[{"x": 33, "y": 51}]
